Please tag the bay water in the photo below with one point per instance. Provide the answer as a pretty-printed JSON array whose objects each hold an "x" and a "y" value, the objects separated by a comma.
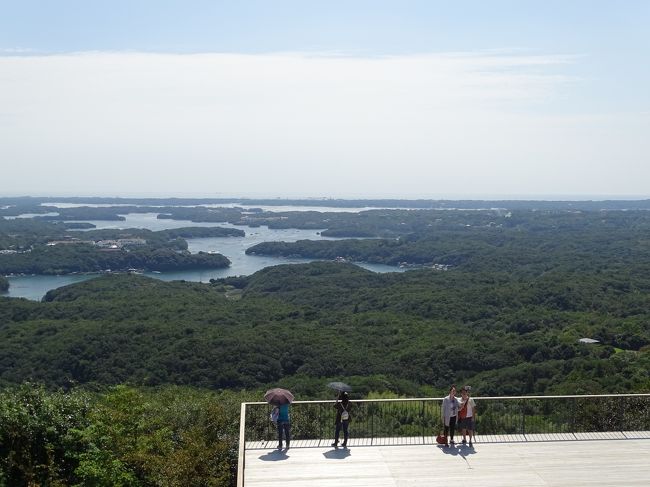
[{"x": 34, "y": 287}]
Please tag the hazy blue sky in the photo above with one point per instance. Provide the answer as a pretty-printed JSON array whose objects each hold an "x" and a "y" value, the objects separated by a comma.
[{"x": 327, "y": 99}]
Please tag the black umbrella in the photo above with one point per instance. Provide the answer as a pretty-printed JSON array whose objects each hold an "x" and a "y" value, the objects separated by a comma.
[
  {"x": 278, "y": 396},
  {"x": 339, "y": 386}
]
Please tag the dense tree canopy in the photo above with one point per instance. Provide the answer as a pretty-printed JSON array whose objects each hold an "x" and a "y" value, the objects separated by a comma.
[
  {"x": 120, "y": 437},
  {"x": 319, "y": 320}
]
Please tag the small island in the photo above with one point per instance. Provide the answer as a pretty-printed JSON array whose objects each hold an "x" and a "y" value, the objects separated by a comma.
[{"x": 37, "y": 247}]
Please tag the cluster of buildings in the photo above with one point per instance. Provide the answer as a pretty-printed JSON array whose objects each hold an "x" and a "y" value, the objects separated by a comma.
[{"x": 113, "y": 244}]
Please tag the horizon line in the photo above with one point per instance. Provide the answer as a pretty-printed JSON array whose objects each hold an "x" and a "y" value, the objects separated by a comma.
[{"x": 455, "y": 197}]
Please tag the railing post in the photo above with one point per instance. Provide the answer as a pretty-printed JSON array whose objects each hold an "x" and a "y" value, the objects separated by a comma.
[
  {"x": 621, "y": 415},
  {"x": 241, "y": 463},
  {"x": 372, "y": 427},
  {"x": 422, "y": 421},
  {"x": 574, "y": 414},
  {"x": 523, "y": 418}
]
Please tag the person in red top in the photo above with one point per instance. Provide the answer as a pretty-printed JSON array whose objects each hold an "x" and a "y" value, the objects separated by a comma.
[{"x": 467, "y": 414}]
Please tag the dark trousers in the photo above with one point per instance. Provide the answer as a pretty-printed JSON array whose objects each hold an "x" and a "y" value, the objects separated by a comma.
[
  {"x": 339, "y": 425},
  {"x": 451, "y": 429},
  {"x": 284, "y": 426}
]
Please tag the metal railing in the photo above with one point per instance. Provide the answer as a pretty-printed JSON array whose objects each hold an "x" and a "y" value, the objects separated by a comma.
[{"x": 420, "y": 418}]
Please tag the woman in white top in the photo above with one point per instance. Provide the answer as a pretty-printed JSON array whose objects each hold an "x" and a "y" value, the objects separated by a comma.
[
  {"x": 449, "y": 412},
  {"x": 466, "y": 414}
]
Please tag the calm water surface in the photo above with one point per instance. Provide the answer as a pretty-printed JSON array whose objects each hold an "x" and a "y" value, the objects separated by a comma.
[{"x": 35, "y": 287}]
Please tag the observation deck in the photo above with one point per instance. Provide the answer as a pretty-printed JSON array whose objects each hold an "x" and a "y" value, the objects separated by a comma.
[{"x": 524, "y": 441}]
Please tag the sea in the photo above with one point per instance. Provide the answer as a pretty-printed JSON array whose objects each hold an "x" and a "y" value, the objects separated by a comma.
[{"x": 34, "y": 287}]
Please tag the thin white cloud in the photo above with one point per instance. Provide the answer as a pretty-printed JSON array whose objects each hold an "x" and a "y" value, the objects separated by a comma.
[
  {"x": 307, "y": 124},
  {"x": 16, "y": 50}
]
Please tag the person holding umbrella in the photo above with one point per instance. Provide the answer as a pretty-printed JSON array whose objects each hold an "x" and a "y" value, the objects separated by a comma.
[
  {"x": 342, "y": 407},
  {"x": 281, "y": 398}
]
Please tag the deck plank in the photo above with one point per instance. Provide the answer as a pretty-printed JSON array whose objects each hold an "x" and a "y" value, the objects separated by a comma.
[{"x": 584, "y": 462}]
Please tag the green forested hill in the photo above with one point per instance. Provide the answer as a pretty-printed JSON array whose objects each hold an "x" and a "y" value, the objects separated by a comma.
[{"x": 300, "y": 324}]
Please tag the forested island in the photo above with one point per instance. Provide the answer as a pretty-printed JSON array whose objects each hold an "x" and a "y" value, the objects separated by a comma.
[
  {"x": 517, "y": 242},
  {"x": 35, "y": 247}
]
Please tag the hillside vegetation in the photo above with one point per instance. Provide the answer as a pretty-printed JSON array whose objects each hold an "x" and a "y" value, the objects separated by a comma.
[
  {"x": 319, "y": 320},
  {"x": 122, "y": 437}
]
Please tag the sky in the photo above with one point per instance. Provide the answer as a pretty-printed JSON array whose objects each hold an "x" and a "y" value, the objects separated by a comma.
[{"x": 338, "y": 99}]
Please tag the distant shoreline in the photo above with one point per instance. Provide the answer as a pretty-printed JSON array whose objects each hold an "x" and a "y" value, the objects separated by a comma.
[{"x": 609, "y": 203}]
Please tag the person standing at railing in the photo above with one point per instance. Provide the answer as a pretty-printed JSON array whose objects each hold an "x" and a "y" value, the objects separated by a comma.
[
  {"x": 284, "y": 425},
  {"x": 342, "y": 421},
  {"x": 466, "y": 414},
  {"x": 449, "y": 413}
]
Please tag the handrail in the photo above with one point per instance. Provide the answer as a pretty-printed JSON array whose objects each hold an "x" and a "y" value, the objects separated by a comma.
[{"x": 414, "y": 399}]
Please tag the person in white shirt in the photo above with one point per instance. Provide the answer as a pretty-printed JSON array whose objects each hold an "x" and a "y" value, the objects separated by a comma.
[
  {"x": 449, "y": 412},
  {"x": 466, "y": 415}
]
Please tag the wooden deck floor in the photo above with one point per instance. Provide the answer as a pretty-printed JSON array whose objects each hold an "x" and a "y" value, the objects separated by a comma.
[{"x": 609, "y": 459}]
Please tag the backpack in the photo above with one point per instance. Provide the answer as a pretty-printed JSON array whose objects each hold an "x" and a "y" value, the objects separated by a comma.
[
  {"x": 275, "y": 414},
  {"x": 345, "y": 416}
]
